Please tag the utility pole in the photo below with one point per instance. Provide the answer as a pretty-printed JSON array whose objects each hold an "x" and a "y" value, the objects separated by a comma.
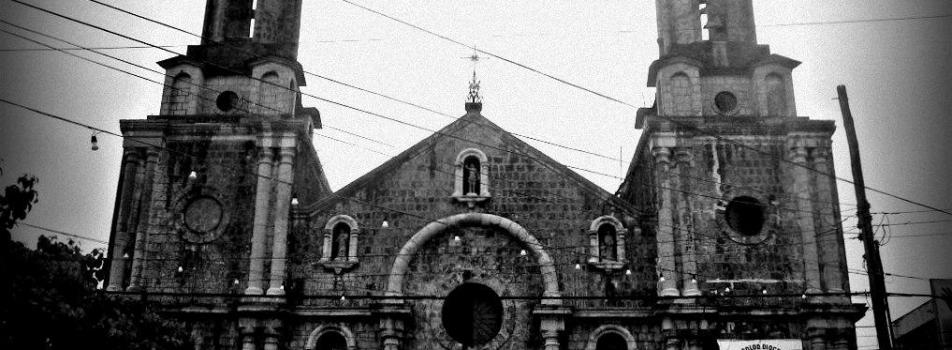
[{"x": 876, "y": 283}]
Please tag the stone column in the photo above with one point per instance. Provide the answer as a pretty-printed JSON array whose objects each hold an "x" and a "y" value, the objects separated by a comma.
[
  {"x": 282, "y": 202},
  {"x": 328, "y": 244},
  {"x": 685, "y": 236},
  {"x": 391, "y": 331},
  {"x": 593, "y": 254},
  {"x": 142, "y": 231},
  {"x": 620, "y": 237},
  {"x": 830, "y": 235},
  {"x": 117, "y": 268},
  {"x": 668, "y": 284},
  {"x": 805, "y": 223},
  {"x": 248, "y": 341},
  {"x": 352, "y": 244},
  {"x": 817, "y": 343},
  {"x": 260, "y": 228},
  {"x": 551, "y": 338},
  {"x": 271, "y": 342}
]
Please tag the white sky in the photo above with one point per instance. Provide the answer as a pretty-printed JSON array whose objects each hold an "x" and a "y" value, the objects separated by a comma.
[{"x": 897, "y": 72}]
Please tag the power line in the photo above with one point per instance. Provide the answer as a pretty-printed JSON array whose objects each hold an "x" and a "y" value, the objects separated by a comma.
[
  {"x": 852, "y": 21},
  {"x": 63, "y": 233},
  {"x": 91, "y": 48},
  {"x": 336, "y": 81},
  {"x": 672, "y": 120}
]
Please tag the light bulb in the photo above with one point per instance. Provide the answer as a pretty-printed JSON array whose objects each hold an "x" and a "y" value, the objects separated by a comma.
[
  {"x": 628, "y": 272},
  {"x": 192, "y": 175},
  {"x": 294, "y": 201},
  {"x": 94, "y": 142},
  {"x": 523, "y": 252},
  {"x": 385, "y": 224}
]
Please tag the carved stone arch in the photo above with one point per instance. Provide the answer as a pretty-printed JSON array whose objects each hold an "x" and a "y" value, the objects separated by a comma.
[
  {"x": 610, "y": 328},
  {"x": 353, "y": 240},
  {"x": 458, "y": 191},
  {"x": 409, "y": 249},
  {"x": 595, "y": 242},
  {"x": 339, "y": 328}
]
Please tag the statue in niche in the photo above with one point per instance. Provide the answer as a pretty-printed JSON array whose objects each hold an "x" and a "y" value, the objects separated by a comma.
[
  {"x": 341, "y": 241},
  {"x": 471, "y": 176},
  {"x": 607, "y": 249}
]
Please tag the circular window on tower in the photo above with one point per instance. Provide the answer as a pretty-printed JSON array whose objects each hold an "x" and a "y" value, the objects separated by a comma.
[
  {"x": 725, "y": 102},
  {"x": 745, "y": 215},
  {"x": 472, "y": 314},
  {"x": 227, "y": 101}
]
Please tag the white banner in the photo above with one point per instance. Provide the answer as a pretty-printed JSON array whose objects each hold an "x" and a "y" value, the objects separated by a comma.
[{"x": 766, "y": 344}]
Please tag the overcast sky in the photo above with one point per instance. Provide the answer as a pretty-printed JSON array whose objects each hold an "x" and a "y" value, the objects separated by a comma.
[{"x": 897, "y": 72}]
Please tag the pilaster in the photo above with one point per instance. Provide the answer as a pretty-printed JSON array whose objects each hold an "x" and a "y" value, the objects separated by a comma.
[
  {"x": 804, "y": 215},
  {"x": 668, "y": 282},
  {"x": 260, "y": 227},
  {"x": 281, "y": 207},
  {"x": 142, "y": 231},
  {"x": 117, "y": 268}
]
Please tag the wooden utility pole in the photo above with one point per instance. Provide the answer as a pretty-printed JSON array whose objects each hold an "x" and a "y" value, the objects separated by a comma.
[{"x": 877, "y": 284}]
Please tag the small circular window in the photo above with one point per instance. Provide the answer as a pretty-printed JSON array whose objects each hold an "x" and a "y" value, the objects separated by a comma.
[
  {"x": 227, "y": 101},
  {"x": 725, "y": 102},
  {"x": 472, "y": 314},
  {"x": 745, "y": 215}
]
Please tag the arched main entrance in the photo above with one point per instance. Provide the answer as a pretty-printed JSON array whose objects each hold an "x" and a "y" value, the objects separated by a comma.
[{"x": 546, "y": 265}]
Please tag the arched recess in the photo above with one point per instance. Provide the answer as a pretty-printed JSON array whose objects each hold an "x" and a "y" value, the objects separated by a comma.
[
  {"x": 776, "y": 95},
  {"x": 592, "y": 343},
  {"x": 681, "y": 94},
  {"x": 341, "y": 329},
  {"x": 180, "y": 94},
  {"x": 595, "y": 254},
  {"x": 352, "y": 239},
  {"x": 546, "y": 265},
  {"x": 461, "y": 161}
]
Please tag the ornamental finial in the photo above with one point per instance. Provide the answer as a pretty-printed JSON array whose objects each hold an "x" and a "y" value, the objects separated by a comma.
[{"x": 474, "y": 91}]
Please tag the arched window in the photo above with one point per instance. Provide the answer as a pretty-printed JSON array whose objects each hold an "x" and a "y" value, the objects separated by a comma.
[
  {"x": 340, "y": 241},
  {"x": 611, "y": 341},
  {"x": 269, "y": 95},
  {"x": 331, "y": 341},
  {"x": 331, "y": 337},
  {"x": 680, "y": 88},
  {"x": 607, "y": 242},
  {"x": 179, "y": 94},
  {"x": 471, "y": 177},
  {"x": 610, "y": 337},
  {"x": 776, "y": 95}
]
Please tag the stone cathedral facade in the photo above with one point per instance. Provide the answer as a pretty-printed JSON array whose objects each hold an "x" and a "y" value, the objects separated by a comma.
[{"x": 725, "y": 232}]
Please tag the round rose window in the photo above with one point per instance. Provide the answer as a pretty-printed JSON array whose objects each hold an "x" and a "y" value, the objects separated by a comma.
[{"x": 472, "y": 314}]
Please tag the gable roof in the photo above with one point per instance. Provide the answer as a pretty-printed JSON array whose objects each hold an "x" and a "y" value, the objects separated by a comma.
[{"x": 452, "y": 131}]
